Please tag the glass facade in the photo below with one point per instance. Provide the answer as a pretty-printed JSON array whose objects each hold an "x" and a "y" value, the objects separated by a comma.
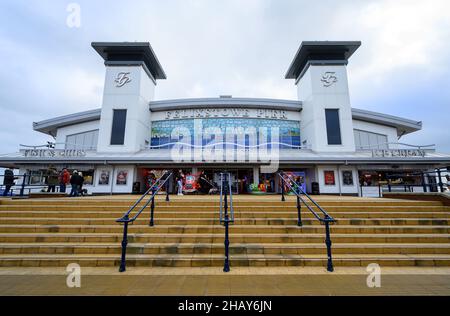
[
  {"x": 163, "y": 134},
  {"x": 83, "y": 141},
  {"x": 369, "y": 140}
]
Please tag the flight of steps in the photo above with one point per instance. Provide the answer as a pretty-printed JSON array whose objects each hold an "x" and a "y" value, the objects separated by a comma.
[{"x": 57, "y": 232}]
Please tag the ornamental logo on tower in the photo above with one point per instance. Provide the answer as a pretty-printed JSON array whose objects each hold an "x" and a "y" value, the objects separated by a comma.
[
  {"x": 122, "y": 79},
  {"x": 329, "y": 78}
]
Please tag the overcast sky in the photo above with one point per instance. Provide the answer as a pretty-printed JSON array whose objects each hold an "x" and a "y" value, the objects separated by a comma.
[{"x": 211, "y": 47}]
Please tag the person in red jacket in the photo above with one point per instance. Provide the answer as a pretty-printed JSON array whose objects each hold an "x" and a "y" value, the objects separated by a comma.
[{"x": 64, "y": 179}]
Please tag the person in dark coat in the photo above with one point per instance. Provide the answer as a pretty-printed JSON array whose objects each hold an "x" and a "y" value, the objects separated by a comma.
[
  {"x": 74, "y": 181},
  {"x": 52, "y": 179},
  {"x": 80, "y": 183},
  {"x": 8, "y": 181}
]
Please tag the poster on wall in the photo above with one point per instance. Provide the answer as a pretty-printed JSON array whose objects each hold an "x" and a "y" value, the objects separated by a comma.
[
  {"x": 329, "y": 177},
  {"x": 122, "y": 177},
  {"x": 347, "y": 177},
  {"x": 104, "y": 177}
]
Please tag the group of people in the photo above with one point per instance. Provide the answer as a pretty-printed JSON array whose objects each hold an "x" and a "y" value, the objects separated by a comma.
[
  {"x": 63, "y": 179},
  {"x": 76, "y": 181}
]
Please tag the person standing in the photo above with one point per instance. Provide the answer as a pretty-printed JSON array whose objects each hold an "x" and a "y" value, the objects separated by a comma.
[
  {"x": 180, "y": 182},
  {"x": 64, "y": 179},
  {"x": 8, "y": 181},
  {"x": 80, "y": 183},
  {"x": 180, "y": 185},
  {"x": 52, "y": 179},
  {"x": 74, "y": 180},
  {"x": 151, "y": 180}
]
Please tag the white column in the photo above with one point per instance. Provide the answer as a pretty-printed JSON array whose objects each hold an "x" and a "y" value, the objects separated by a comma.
[{"x": 256, "y": 175}]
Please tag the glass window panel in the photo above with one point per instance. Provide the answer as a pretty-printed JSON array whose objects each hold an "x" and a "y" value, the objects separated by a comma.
[
  {"x": 382, "y": 142},
  {"x": 333, "y": 127},
  {"x": 373, "y": 141},
  {"x": 118, "y": 127},
  {"x": 357, "y": 139},
  {"x": 368, "y": 140},
  {"x": 82, "y": 141}
]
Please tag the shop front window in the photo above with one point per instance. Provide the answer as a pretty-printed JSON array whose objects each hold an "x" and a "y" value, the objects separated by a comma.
[
  {"x": 88, "y": 177},
  {"x": 36, "y": 177}
]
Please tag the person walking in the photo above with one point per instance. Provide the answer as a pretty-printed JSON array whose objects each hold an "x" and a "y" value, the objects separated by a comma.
[
  {"x": 180, "y": 182},
  {"x": 74, "y": 180},
  {"x": 52, "y": 179},
  {"x": 64, "y": 179},
  {"x": 8, "y": 181},
  {"x": 80, "y": 183}
]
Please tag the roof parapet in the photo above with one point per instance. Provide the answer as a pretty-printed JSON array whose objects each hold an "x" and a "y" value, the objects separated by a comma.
[
  {"x": 320, "y": 52},
  {"x": 128, "y": 53}
]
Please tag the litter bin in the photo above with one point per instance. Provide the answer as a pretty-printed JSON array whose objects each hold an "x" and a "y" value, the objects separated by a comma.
[
  {"x": 136, "y": 187},
  {"x": 315, "y": 190}
]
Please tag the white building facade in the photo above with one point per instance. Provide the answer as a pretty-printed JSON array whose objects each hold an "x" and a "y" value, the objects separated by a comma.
[{"x": 332, "y": 147}]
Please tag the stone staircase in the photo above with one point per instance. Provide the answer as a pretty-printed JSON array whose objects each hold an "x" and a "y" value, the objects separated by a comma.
[{"x": 57, "y": 232}]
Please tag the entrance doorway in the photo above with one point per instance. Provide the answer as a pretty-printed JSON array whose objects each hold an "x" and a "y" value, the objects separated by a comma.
[{"x": 241, "y": 179}]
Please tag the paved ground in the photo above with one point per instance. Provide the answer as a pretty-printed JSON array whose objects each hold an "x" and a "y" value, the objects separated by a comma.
[{"x": 212, "y": 281}]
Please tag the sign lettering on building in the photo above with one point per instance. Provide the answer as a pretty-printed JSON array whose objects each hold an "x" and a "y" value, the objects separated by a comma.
[
  {"x": 226, "y": 112},
  {"x": 398, "y": 153},
  {"x": 53, "y": 153}
]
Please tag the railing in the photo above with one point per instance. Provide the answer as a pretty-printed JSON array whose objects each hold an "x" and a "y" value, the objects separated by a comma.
[
  {"x": 127, "y": 219},
  {"x": 378, "y": 190},
  {"x": 22, "y": 186},
  {"x": 387, "y": 145},
  {"x": 226, "y": 217},
  {"x": 326, "y": 219},
  {"x": 434, "y": 183}
]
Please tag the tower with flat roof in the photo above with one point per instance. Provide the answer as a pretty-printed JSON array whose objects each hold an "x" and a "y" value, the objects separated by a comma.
[
  {"x": 319, "y": 70},
  {"x": 132, "y": 70}
]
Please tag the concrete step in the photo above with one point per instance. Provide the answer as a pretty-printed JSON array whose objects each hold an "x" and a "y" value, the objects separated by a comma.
[
  {"x": 219, "y": 238},
  {"x": 234, "y": 229},
  {"x": 218, "y": 248},
  {"x": 292, "y": 214},
  {"x": 200, "y": 260},
  {"x": 255, "y": 207},
  {"x": 213, "y": 201},
  {"x": 207, "y": 221}
]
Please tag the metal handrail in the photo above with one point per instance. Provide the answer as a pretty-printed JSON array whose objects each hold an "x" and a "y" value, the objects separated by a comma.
[
  {"x": 224, "y": 216},
  {"x": 126, "y": 220},
  {"x": 298, "y": 191},
  {"x": 327, "y": 219},
  {"x": 155, "y": 188},
  {"x": 226, "y": 183},
  {"x": 22, "y": 185}
]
